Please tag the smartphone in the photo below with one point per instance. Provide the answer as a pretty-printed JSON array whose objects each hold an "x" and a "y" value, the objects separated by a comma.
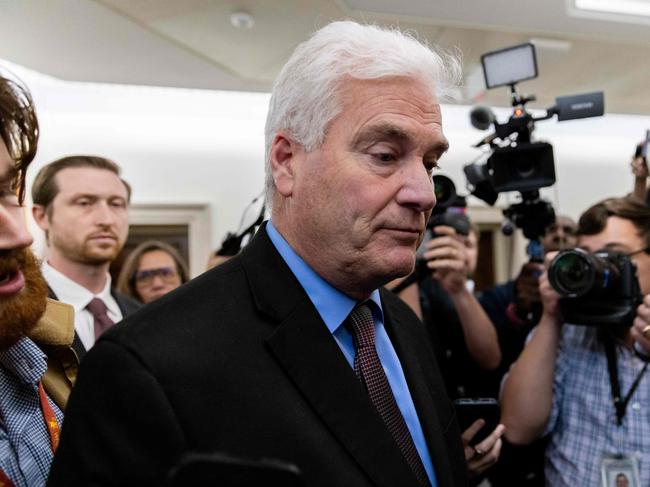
[
  {"x": 643, "y": 148},
  {"x": 219, "y": 470},
  {"x": 485, "y": 408}
]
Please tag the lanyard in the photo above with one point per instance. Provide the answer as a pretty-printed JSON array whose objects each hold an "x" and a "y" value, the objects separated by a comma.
[
  {"x": 620, "y": 404},
  {"x": 53, "y": 429},
  {"x": 51, "y": 423}
]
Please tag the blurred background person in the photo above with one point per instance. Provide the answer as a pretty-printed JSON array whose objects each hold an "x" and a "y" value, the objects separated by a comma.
[
  {"x": 151, "y": 270},
  {"x": 461, "y": 334}
]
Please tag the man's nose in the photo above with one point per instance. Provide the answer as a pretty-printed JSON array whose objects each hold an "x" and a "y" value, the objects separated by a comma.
[
  {"x": 417, "y": 189},
  {"x": 104, "y": 214},
  {"x": 13, "y": 229}
]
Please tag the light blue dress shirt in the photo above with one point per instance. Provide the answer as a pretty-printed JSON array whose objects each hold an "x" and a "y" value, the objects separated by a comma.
[{"x": 334, "y": 307}]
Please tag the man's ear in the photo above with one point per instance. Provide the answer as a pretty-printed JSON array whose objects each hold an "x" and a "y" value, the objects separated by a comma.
[
  {"x": 284, "y": 155},
  {"x": 41, "y": 217}
]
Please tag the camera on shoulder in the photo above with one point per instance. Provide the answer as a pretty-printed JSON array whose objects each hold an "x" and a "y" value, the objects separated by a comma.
[{"x": 599, "y": 289}]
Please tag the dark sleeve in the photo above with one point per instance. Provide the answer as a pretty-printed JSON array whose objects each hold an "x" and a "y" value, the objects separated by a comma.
[
  {"x": 119, "y": 428},
  {"x": 495, "y": 302}
]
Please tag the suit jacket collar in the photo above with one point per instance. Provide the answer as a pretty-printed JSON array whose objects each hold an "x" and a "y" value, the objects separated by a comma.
[{"x": 309, "y": 355}]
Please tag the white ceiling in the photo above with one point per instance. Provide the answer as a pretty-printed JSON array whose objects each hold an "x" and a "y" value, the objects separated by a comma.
[{"x": 191, "y": 43}]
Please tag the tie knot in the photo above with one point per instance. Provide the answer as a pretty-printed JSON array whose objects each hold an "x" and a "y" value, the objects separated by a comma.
[
  {"x": 363, "y": 326},
  {"x": 97, "y": 307}
]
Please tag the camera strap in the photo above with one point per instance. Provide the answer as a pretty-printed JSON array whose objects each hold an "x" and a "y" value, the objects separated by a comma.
[{"x": 620, "y": 404}]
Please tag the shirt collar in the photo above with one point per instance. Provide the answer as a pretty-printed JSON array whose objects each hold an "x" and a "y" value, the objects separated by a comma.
[
  {"x": 332, "y": 305},
  {"x": 75, "y": 294},
  {"x": 25, "y": 360}
]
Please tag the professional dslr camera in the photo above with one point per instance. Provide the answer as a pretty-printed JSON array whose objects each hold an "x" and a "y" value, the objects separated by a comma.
[
  {"x": 515, "y": 162},
  {"x": 449, "y": 211},
  {"x": 600, "y": 289}
]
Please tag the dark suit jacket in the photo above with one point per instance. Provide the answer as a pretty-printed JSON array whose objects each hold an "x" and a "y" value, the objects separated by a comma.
[
  {"x": 239, "y": 361},
  {"x": 126, "y": 304}
]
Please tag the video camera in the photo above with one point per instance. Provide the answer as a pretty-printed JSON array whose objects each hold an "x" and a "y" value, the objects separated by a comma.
[
  {"x": 516, "y": 163},
  {"x": 599, "y": 289}
]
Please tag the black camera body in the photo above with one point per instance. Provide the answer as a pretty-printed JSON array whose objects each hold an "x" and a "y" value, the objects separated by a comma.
[
  {"x": 599, "y": 289},
  {"x": 448, "y": 211}
]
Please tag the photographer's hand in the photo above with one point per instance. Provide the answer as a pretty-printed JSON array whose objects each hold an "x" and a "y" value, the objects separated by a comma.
[
  {"x": 550, "y": 297},
  {"x": 527, "y": 288},
  {"x": 486, "y": 453},
  {"x": 641, "y": 326},
  {"x": 446, "y": 256},
  {"x": 639, "y": 168},
  {"x": 640, "y": 171}
]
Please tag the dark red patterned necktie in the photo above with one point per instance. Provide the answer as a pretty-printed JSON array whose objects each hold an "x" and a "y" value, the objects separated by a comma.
[
  {"x": 102, "y": 322},
  {"x": 371, "y": 374}
]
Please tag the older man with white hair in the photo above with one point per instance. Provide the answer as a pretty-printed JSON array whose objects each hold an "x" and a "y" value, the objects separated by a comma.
[{"x": 291, "y": 350}]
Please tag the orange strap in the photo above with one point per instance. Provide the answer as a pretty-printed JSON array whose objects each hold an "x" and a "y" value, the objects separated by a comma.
[{"x": 51, "y": 423}]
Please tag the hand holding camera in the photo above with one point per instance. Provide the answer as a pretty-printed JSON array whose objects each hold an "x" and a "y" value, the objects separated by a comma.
[
  {"x": 446, "y": 257},
  {"x": 527, "y": 295},
  {"x": 641, "y": 326},
  {"x": 549, "y": 296}
]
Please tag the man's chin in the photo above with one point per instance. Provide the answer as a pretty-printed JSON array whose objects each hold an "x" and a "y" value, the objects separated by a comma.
[
  {"x": 100, "y": 256},
  {"x": 20, "y": 313}
]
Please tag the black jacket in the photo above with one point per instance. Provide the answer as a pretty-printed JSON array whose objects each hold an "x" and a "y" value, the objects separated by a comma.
[{"x": 239, "y": 361}]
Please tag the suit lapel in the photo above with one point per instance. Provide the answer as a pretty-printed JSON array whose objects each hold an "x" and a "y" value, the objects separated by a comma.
[
  {"x": 312, "y": 360},
  {"x": 429, "y": 400}
]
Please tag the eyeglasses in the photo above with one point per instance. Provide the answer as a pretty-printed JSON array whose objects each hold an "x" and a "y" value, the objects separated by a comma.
[{"x": 146, "y": 277}]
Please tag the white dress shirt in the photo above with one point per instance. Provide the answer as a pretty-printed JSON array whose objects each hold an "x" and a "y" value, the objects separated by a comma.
[{"x": 68, "y": 291}]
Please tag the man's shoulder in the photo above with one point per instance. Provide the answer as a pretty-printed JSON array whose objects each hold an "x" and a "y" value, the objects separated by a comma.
[
  {"x": 126, "y": 303},
  {"x": 208, "y": 298}
]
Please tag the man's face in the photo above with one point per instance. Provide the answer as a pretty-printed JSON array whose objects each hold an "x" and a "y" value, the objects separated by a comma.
[
  {"x": 87, "y": 221},
  {"x": 622, "y": 236},
  {"x": 22, "y": 288},
  {"x": 355, "y": 209},
  {"x": 621, "y": 480},
  {"x": 560, "y": 235}
]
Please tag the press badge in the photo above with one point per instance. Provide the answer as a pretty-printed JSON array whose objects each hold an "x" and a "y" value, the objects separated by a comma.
[{"x": 620, "y": 471}]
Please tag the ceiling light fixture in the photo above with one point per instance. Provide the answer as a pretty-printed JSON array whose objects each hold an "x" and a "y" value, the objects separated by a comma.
[
  {"x": 242, "y": 20},
  {"x": 639, "y": 8}
]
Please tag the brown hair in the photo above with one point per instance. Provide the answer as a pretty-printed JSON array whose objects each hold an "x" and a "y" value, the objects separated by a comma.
[
  {"x": 45, "y": 189},
  {"x": 18, "y": 128},
  {"x": 126, "y": 279},
  {"x": 593, "y": 220}
]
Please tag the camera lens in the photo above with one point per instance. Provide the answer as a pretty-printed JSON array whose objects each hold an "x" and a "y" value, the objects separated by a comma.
[
  {"x": 572, "y": 273},
  {"x": 445, "y": 191}
]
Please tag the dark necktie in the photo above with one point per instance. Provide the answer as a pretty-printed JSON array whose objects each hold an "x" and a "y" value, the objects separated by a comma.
[
  {"x": 102, "y": 322},
  {"x": 371, "y": 374}
]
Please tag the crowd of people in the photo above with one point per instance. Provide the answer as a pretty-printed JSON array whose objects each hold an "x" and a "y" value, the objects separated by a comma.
[{"x": 303, "y": 357}]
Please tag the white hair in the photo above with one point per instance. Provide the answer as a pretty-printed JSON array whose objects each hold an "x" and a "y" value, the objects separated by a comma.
[{"x": 304, "y": 99}]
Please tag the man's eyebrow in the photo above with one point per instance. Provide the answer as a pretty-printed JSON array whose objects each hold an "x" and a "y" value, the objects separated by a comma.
[{"x": 390, "y": 131}]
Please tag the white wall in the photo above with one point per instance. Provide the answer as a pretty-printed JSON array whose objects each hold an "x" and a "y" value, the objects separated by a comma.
[{"x": 204, "y": 147}]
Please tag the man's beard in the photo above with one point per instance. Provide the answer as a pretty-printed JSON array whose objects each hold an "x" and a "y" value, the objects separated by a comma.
[
  {"x": 87, "y": 252},
  {"x": 20, "y": 313}
]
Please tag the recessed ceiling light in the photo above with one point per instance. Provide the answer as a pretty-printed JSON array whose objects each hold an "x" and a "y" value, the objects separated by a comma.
[{"x": 242, "y": 20}]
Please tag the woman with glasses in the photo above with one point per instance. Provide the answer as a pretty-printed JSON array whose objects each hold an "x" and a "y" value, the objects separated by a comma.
[{"x": 151, "y": 270}]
